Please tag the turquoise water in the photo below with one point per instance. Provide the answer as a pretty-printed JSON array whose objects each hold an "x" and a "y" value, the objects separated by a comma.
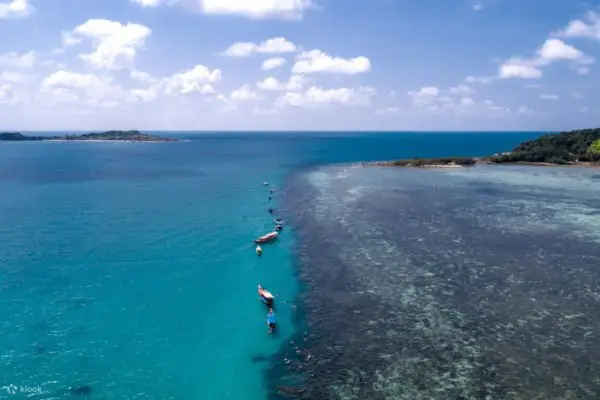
[{"x": 127, "y": 270}]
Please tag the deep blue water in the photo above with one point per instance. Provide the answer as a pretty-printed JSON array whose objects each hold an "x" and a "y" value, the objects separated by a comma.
[{"x": 128, "y": 271}]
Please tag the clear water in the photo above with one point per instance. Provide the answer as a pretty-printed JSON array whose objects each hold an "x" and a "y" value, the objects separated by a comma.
[
  {"x": 473, "y": 283},
  {"x": 127, "y": 270}
]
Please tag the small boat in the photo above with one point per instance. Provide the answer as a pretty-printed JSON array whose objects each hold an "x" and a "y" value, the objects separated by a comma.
[
  {"x": 258, "y": 250},
  {"x": 271, "y": 321},
  {"x": 267, "y": 238},
  {"x": 266, "y": 183},
  {"x": 266, "y": 296}
]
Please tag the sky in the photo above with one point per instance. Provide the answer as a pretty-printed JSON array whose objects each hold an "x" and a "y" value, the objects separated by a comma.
[{"x": 299, "y": 64}]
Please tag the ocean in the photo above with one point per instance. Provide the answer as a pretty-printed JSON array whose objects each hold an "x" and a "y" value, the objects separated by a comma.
[{"x": 128, "y": 269}]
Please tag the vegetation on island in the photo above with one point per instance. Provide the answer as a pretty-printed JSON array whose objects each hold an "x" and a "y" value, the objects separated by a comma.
[
  {"x": 16, "y": 136},
  {"x": 565, "y": 148},
  {"x": 130, "y": 136}
]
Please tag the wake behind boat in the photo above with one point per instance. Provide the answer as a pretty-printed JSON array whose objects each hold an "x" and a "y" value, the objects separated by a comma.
[{"x": 267, "y": 238}]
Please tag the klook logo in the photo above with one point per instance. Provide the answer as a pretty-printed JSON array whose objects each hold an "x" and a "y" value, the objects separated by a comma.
[{"x": 14, "y": 389}]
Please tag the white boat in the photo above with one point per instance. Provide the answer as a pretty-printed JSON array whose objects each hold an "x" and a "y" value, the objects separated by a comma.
[
  {"x": 258, "y": 250},
  {"x": 267, "y": 238}
]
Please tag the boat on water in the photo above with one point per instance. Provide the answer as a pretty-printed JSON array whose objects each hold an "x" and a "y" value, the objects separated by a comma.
[
  {"x": 266, "y": 296},
  {"x": 258, "y": 250},
  {"x": 267, "y": 238},
  {"x": 271, "y": 321},
  {"x": 266, "y": 183}
]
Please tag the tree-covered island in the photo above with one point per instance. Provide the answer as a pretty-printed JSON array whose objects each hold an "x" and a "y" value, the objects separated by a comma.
[
  {"x": 127, "y": 136},
  {"x": 579, "y": 147}
]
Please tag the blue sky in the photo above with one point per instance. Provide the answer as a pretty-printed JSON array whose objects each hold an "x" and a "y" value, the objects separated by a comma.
[{"x": 299, "y": 64}]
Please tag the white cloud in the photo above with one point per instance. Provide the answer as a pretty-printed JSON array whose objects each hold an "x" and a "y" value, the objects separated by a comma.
[
  {"x": 549, "y": 97},
  {"x": 518, "y": 68},
  {"x": 270, "y": 46},
  {"x": 479, "y": 79},
  {"x": 295, "y": 83},
  {"x": 576, "y": 95},
  {"x": 68, "y": 79},
  {"x": 245, "y": 93},
  {"x": 587, "y": 28},
  {"x": 197, "y": 79},
  {"x": 65, "y": 84},
  {"x": 258, "y": 9},
  {"x": 462, "y": 90},
  {"x": 15, "y": 9},
  {"x": 555, "y": 50},
  {"x": 273, "y": 63},
  {"x": 477, "y": 6},
  {"x": 551, "y": 51},
  {"x": 148, "y": 3},
  {"x": 317, "y": 96},
  {"x": 315, "y": 61},
  {"x": 16, "y": 60},
  {"x": 141, "y": 76},
  {"x": 115, "y": 44},
  {"x": 425, "y": 95}
]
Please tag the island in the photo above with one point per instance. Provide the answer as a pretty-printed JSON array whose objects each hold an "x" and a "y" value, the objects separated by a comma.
[
  {"x": 578, "y": 147},
  {"x": 126, "y": 136}
]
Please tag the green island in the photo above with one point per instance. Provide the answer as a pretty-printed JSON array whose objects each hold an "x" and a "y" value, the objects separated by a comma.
[
  {"x": 127, "y": 136},
  {"x": 579, "y": 147}
]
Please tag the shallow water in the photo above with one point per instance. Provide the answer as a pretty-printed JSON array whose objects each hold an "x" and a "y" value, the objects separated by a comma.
[{"x": 478, "y": 283}]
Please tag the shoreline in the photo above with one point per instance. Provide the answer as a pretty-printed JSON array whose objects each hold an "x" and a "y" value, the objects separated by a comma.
[
  {"x": 105, "y": 140},
  {"x": 476, "y": 163}
]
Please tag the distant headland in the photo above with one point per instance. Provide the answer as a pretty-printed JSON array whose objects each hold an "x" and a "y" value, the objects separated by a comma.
[
  {"x": 125, "y": 136},
  {"x": 579, "y": 147}
]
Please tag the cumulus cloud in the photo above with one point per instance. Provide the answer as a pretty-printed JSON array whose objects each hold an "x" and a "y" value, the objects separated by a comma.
[
  {"x": 589, "y": 27},
  {"x": 148, "y": 3},
  {"x": 270, "y": 46},
  {"x": 198, "y": 79},
  {"x": 551, "y": 51},
  {"x": 115, "y": 44},
  {"x": 258, "y": 9},
  {"x": 316, "y": 61},
  {"x": 317, "y": 96},
  {"x": 295, "y": 83},
  {"x": 16, "y": 60},
  {"x": 15, "y": 9},
  {"x": 462, "y": 90},
  {"x": 519, "y": 68},
  {"x": 273, "y": 63},
  {"x": 425, "y": 94},
  {"x": 245, "y": 93}
]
